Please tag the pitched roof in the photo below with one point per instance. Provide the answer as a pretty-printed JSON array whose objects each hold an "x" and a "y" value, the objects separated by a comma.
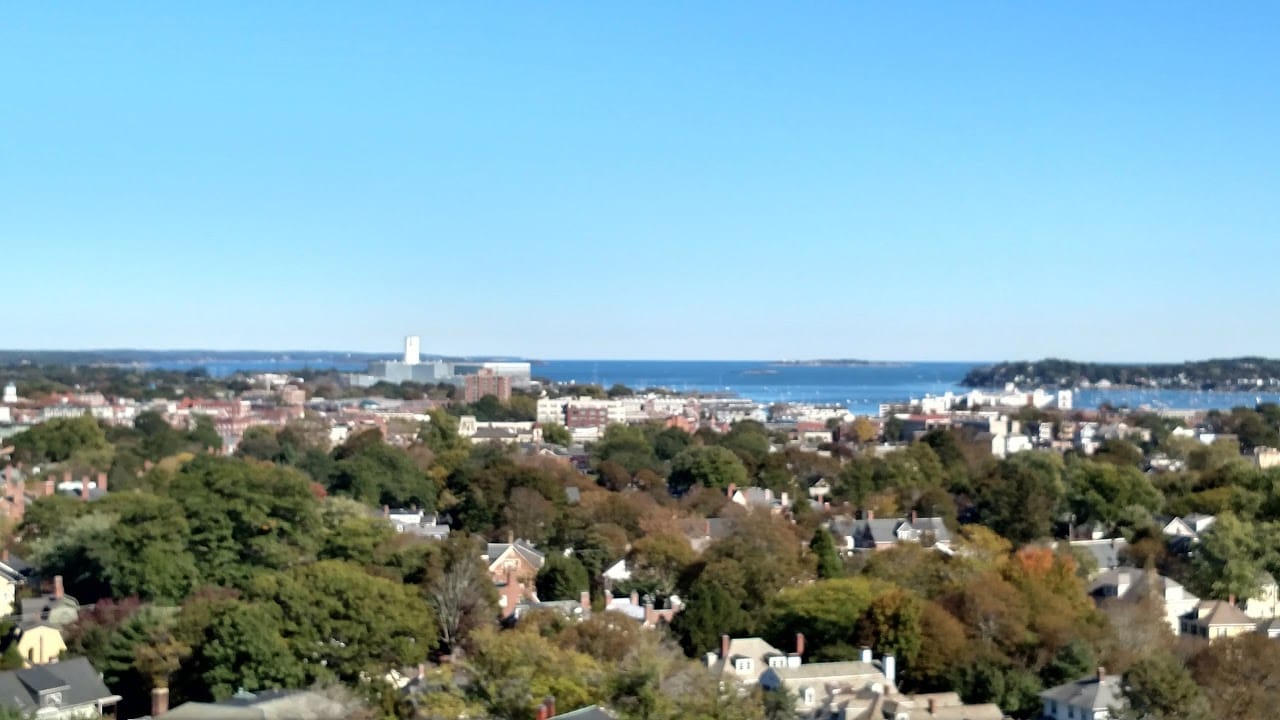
[
  {"x": 1135, "y": 582},
  {"x": 1089, "y": 692},
  {"x": 74, "y": 677},
  {"x": 886, "y": 530},
  {"x": 1218, "y": 613},
  {"x": 829, "y": 670},
  {"x": 269, "y": 705},
  {"x": 521, "y": 547},
  {"x": 590, "y": 712}
]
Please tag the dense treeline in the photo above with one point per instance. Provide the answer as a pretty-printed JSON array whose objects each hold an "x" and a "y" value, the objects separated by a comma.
[
  {"x": 273, "y": 568},
  {"x": 1222, "y": 374}
]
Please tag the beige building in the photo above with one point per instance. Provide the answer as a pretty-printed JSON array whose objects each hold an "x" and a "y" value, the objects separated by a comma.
[{"x": 41, "y": 644}]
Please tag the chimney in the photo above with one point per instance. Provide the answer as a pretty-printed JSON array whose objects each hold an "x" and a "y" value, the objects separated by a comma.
[
  {"x": 386, "y": 511},
  {"x": 49, "y": 487},
  {"x": 1231, "y": 599},
  {"x": 800, "y": 643},
  {"x": 102, "y": 481},
  {"x": 890, "y": 670},
  {"x": 550, "y": 705},
  {"x": 1102, "y": 673},
  {"x": 635, "y": 598},
  {"x": 871, "y": 514},
  {"x": 159, "y": 701},
  {"x": 733, "y": 488},
  {"x": 933, "y": 706},
  {"x": 706, "y": 528},
  {"x": 57, "y": 587},
  {"x": 4, "y": 555},
  {"x": 84, "y": 488},
  {"x": 66, "y": 476},
  {"x": 542, "y": 711},
  {"x": 584, "y": 600},
  {"x": 865, "y": 655},
  {"x": 724, "y": 648},
  {"x": 913, "y": 517}
]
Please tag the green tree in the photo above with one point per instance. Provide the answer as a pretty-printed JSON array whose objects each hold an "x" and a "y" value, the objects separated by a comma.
[
  {"x": 245, "y": 517},
  {"x": 556, "y": 434},
  {"x": 827, "y": 612},
  {"x": 58, "y": 440},
  {"x": 779, "y": 704},
  {"x": 376, "y": 473},
  {"x": 824, "y": 549},
  {"x": 1227, "y": 562},
  {"x": 561, "y": 578},
  {"x": 1159, "y": 687},
  {"x": 891, "y": 625},
  {"x": 1020, "y": 498},
  {"x": 235, "y": 645},
  {"x": 713, "y": 467},
  {"x": 340, "y": 618},
  {"x": 1109, "y": 493},
  {"x": 659, "y": 559},
  {"x": 627, "y": 446}
]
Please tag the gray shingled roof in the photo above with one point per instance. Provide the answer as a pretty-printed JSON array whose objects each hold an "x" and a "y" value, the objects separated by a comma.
[
  {"x": 590, "y": 712},
  {"x": 522, "y": 547},
  {"x": 1089, "y": 692},
  {"x": 886, "y": 530},
  {"x": 75, "y": 678},
  {"x": 269, "y": 705}
]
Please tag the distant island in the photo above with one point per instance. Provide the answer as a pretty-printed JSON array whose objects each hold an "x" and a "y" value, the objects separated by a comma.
[
  {"x": 1226, "y": 374},
  {"x": 844, "y": 362}
]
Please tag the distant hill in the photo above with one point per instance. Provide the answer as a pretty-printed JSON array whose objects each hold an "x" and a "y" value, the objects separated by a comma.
[{"x": 1242, "y": 374}]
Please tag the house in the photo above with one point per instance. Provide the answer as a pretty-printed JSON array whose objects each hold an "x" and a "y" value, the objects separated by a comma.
[
  {"x": 10, "y": 579},
  {"x": 40, "y": 643},
  {"x": 758, "y": 497},
  {"x": 819, "y": 489},
  {"x": 1185, "y": 531},
  {"x": 708, "y": 531},
  {"x": 1264, "y": 604},
  {"x": 517, "y": 558},
  {"x": 268, "y": 705},
  {"x": 939, "y": 706},
  {"x": 617, "y": 572},
  {"x": 871, "y": 533},
  {"x": 1216, "y": 619},
  {"x": 745, "y": 660},
  {"x": 579, "y": 609},
  {"x": 1089, "y": 698},
  {"x": 643, "y": 610},
  {"x": 67, "y": 690},
  {"x": 547, "y": 711},
  {"x": 56, "y": 608},
  {"x": 1131, "y": 585},
  {"x": 1106, "y": 552},
  {"x": 816, "y": 686}
]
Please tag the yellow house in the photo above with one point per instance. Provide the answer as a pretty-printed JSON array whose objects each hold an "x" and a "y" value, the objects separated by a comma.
[
  {"x": 1216, "y": 619},
  {"x": 41, "y": 644}
]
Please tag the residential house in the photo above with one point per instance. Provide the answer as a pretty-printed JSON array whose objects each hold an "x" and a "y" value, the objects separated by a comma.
[
  {"x": 819, "y": 489},
  {"x": 1185, "y": 531},
  {"x": 513, "y": 566},
  {"x": 40, "y": 643},
  {"x": 579, "y": 609},
  {"x": 1217, "y": 619},
  {"x": 759, "y": 498},
  {"x": 547, "y": 711},
  {"x": 1131, "y": 585},
  {"x": 1264, "y": 604},
  {"x": 10, "y": 579},
  {"x": 938, "y": 706},
  {"x": 644, "y": 610},
  {"x": 708, "y": 531},
  {"x": 871, "y": 533},
  {"x": 70, "y": 689},
  {"x": 818, "y": 686},
  {"x": 55, "y": 608},
  {"x": 1105, "y": 552},
  {"x": 1089, "y": 698},
  {"x": 267, "y": 705},
  {"x": 745, "y": 660}
]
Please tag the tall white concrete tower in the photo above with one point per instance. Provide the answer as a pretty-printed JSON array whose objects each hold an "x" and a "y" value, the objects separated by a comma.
[{"x": 412, "y": 344}]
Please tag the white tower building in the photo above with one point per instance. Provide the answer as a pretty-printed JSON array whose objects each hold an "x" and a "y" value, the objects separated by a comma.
[
  {"x": 412, "y": 344},
  {"x": 10, "y": 393}
]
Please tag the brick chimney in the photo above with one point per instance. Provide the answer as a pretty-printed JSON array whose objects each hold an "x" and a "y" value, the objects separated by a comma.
[
  {"x": 800, "y": 643},
  {"x": 913, "y": 517},
  {"x": 84, "y": 488},
  {"x": 733, "y": 487},
  {"x": 57, "y": 587},
  {"x": 1231, "y": 599},
  {"x": 102, "y": 481},
  {"x": 871, "y": 514},
  {"x": 386, "y": 511},
  {"x": 50, "y": 487},
  {"x": 933, "y": 706},
  {"x": 1102, "y": 673},
  {"x": 635, "y": 598},
  {"x": 724, "y": 648},
  {"x": 542, "y": 711},
  {"x": 159, "y": 701},
  {"x": 550, "y": 704},
  {"x": 584, "y": 600}
]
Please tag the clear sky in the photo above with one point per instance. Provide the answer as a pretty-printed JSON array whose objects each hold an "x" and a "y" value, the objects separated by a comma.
[{"x": 888, "y": 180}]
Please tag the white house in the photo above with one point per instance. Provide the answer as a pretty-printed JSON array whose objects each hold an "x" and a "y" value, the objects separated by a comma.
[{"x": 1089, "y": 698}]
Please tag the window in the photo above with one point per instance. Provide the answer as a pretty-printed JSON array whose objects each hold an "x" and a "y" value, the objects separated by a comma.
[
  {"x": 809, "y": 696},
  {"x": 743, "y": 664}
]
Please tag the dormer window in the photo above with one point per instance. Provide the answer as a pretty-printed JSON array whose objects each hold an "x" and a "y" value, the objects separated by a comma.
[
  {"x": 743, "y": 665},
  {"x": 810, "y": 697},
  {"x": 777, "y": 661},
  {"x": 53, "y": 699}
]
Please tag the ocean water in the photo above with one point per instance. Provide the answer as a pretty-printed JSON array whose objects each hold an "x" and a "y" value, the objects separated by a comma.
[{"x": 861, "y": 388}]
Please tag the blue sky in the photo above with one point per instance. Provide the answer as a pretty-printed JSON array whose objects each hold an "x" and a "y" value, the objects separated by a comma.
[{"x": 656, "y": 180}]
